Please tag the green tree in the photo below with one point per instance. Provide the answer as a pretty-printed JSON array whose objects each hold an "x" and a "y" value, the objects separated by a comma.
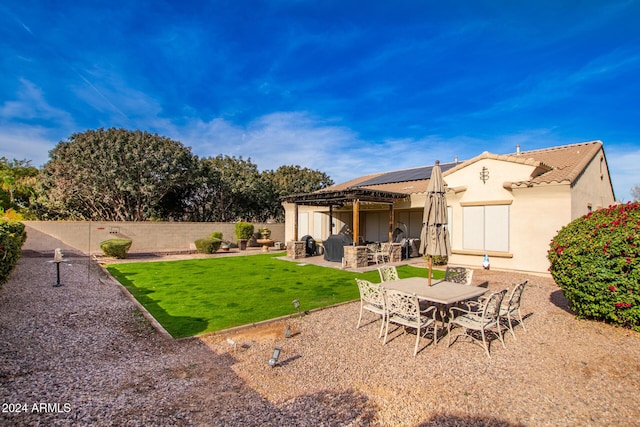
[
  {"x": 224, "y": 189},
  {"x": 287, "y": 180},
  {"x": 17, "y": 184},
  {"x": 115, "y": 175}
]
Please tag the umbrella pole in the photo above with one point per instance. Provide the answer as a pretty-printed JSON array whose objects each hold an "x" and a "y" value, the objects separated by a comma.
[{"x": 430, "y": 268}]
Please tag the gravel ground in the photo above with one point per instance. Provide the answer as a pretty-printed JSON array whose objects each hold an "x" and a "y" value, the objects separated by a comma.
[{"x": 82, "y": 354}]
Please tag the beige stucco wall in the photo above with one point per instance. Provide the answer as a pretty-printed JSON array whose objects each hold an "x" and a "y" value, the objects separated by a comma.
[
  {"x": 593, "y": 188},
  {"x": 499, "y": 172},
  {"x": 535, "y": 214},
  {"x": 85, "y": 236}
]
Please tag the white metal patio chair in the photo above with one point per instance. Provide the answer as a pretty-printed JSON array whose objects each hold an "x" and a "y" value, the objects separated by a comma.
[
  {"x": 404, "y": 309},
  {"x": 383, "y": 254},
  {"x": 372, "y": 248},
  {"x": 479, "y": 316},
  {"x": 458, "y": 275},
  {"x": 371, "y": 299},
  {"x": 388, "y": 273},
  {"x": 511, "y": 308}
]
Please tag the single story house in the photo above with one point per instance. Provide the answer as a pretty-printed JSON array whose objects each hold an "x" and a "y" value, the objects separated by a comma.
[{"x": 508, "y": 206}]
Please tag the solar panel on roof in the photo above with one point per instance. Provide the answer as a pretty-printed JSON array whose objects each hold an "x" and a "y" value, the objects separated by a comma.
[{"x": 414, "y": 174}]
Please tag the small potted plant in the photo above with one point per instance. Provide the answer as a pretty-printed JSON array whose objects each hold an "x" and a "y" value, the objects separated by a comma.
[{"x": 244, "y": 231}]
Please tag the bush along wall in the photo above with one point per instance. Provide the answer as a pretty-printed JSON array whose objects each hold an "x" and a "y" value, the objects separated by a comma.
[
  {"x": 117, "y": 248},
  {"x": 12, "y": 237},
  {"x": 595, "y": 259},
  {"x": 209, "y": 245}
]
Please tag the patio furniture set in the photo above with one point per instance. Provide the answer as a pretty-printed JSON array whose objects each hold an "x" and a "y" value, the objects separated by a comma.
[{"x": 453, "y": 301}]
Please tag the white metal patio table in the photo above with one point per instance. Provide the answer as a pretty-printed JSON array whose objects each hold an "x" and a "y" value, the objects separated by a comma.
[{"x": 441, "y": 293}]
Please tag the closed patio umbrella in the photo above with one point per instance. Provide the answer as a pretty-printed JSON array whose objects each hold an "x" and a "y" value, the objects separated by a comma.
[{"x": 434, "y": 237}]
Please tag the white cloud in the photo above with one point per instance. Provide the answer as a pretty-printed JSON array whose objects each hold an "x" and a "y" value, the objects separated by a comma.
[
  {"x": 297, "y": 138},
  {"x": 281, "y": 138},
  {"x": 623, "y": 161},
  {"x": 272, "y": 140},
  {"x": 31, "y": 104},
  {"x": 26, "y": 143},
  {"x": 29, "y": 125}
]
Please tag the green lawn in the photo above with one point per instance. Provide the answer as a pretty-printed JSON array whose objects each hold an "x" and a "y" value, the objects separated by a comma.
[{"x": 205, "y": 295}]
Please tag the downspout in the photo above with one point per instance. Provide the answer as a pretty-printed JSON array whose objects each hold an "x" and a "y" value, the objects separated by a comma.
[{"x": 295, "y": 224}]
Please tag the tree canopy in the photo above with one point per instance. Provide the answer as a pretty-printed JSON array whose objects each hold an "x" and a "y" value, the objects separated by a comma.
[
  {"x": 122, "y": 175},
  {"x": 17, "y": 183},
  {"x": 225, "y": 189},
  {"x": 115, "y": 174},
  {"x": 287, "y": 180}
]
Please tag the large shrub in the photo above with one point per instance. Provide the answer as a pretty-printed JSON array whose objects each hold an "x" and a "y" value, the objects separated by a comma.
[
  {"x": 208, "y": 245},
  {"x": 12, "y": 237},
  {"x": 596, "y": 261},
  {"x": 117, "y": 248}
]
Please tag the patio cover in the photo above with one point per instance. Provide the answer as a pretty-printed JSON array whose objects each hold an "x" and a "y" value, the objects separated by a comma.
[
  {"x": 340, "y": 197},
  {"x": 354, "y": 195}
]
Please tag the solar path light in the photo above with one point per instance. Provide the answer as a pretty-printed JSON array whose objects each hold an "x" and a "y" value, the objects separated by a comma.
[
  {"x": 275, "y": 356},
  {"x": 296, "y": 304}
]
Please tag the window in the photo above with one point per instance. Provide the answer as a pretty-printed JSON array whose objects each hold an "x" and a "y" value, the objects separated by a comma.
[
  {"x": 317, "y": 226},
  {"x": 485, "y": 228},
  {"x": 303, "y": 224}
]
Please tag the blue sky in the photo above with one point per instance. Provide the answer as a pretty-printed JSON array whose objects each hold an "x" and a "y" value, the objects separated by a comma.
[{"x": 346, "y": 87}]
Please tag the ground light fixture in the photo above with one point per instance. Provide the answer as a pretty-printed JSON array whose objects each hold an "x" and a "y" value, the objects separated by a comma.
[
  {"x": 287, "y": 332},
  {"x": 275, "y": 356},
  {"x": 232, "y": 343},
  {"x": 57, "y": 259},
  {"x": 296, "y": 304}
]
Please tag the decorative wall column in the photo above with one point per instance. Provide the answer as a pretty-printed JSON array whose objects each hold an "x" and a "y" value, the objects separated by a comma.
[
  {"x": 355, "y": 256},
  {"x": 296, "y": 249}
]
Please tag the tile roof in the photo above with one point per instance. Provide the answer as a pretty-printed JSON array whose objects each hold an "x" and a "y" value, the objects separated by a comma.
[
  {"x": 555, "y": 164},
  {"x": 567, "y": 162}
]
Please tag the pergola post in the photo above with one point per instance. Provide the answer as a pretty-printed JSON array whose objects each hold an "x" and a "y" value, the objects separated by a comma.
[
  {"x": 356, "y": 221},
  {"x": 391, "y": 221}
]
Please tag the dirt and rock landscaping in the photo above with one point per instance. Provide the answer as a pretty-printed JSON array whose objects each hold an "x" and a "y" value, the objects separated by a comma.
[{"x": 82, "y": 354}]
